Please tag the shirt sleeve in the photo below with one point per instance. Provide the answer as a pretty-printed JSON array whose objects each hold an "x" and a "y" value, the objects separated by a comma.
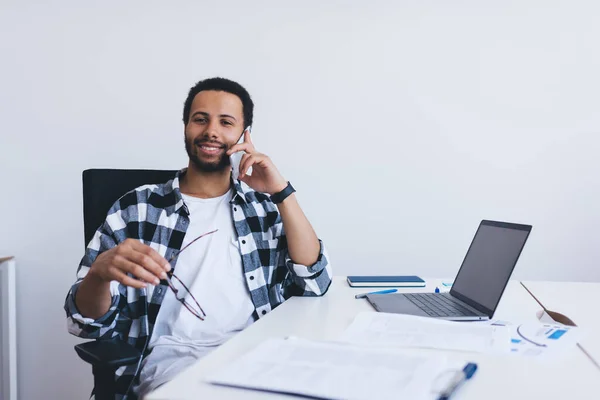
[
  {"x": 109, "y": 324},
  {"x": 308, "y": 280}
]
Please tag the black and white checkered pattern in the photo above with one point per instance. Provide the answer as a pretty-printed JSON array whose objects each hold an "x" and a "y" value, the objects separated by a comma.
[{"x": 158, "y": 217}]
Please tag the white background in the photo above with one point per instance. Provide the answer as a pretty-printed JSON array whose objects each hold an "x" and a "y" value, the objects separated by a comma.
[{"x": 402, "y": 124}]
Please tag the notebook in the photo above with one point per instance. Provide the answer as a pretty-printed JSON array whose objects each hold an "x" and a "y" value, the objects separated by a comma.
[{"x": 385, "y": 281}]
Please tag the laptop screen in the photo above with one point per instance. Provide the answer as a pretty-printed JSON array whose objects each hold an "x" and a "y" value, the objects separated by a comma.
[{"x": 489, "y": 263}]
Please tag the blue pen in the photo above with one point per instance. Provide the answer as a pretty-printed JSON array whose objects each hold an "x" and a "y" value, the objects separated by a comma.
[
  {"x": 362, "y": 295},
  {"x": 467, "y": 372}
]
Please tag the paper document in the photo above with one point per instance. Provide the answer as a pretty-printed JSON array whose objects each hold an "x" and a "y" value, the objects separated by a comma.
[
  {"x": 334, "y": 371},
  {"x": 534, "y": 339},
  {"x": 398, "y": 330}
]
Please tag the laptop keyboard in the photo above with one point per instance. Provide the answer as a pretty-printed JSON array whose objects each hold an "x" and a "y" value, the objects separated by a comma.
[{"x": 439, "y": 305}]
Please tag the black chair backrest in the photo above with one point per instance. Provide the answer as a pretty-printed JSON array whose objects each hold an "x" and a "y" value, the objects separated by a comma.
[{"x": 102, "y": 187}]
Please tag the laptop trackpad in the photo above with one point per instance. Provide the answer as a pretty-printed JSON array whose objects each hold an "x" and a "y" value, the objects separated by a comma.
[{"x": 394, "y": 303}]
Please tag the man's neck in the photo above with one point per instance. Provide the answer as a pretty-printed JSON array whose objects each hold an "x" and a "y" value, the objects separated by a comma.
[{"x": 203, "y": 184}]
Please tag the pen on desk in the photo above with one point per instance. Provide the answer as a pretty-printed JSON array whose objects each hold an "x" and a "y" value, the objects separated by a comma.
[
  {"x": 363, "y": 295},
  {"x": 466, "y": 374}
]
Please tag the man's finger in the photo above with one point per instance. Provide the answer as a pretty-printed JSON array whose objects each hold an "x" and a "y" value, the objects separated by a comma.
[
  {"x": 125, "y": 265},
  {"x": 247, "y": 138},
  {"x": 149, "y": 251},
  {"x": 242, "y": 161},
  {"x": 127, "y": 280},
  {"x": 146, "y": 262},
  {"x": 248, "y": 162},
  {"x": 240, "y": 147}
]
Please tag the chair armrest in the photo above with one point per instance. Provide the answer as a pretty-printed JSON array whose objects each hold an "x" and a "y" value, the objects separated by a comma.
[{"x": 112, "y": 353}]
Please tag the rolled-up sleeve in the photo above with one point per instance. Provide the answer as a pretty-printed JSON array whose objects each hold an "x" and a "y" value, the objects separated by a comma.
[
  {"x": 102, "y": 327},
  {"x": 312, "y": 280}
]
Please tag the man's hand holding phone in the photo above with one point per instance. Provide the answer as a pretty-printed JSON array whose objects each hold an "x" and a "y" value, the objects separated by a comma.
[{"x": 265, "y": 177}]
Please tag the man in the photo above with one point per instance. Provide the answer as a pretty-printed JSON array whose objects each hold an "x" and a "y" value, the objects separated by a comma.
[{"x": 250, "y": 249}]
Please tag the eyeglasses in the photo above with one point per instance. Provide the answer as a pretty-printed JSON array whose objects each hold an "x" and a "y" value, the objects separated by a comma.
[{"x": 179, "y": 288}]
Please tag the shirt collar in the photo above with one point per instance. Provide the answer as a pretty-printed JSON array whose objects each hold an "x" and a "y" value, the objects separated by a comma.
[
  {"x": 242, "y": 191},
  {"x": 175, "y": 188}
]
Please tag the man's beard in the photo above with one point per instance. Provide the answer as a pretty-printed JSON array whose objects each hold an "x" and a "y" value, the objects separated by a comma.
[{"x": 192, "y": 150}]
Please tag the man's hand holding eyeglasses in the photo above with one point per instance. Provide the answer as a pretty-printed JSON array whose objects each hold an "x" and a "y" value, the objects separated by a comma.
[
  {"x": 134, "y": 257},
  {"x": 131, "y": 256}
]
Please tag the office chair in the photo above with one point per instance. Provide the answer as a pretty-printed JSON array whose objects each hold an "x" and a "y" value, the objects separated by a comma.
[{"x": 101, "y": 188}]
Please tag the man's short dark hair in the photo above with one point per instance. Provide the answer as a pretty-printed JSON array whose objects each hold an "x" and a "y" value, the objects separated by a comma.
[{"x": 221, "y": 85}]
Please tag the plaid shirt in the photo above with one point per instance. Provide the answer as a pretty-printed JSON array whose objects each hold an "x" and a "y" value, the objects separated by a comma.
[{"x": 157, "y": 216}]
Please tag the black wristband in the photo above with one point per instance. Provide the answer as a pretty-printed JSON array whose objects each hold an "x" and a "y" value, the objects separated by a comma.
[{"x": 281, "y": 196}]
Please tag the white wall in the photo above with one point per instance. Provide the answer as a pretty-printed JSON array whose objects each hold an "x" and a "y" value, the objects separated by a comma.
[{"x": 401, "y": 124}]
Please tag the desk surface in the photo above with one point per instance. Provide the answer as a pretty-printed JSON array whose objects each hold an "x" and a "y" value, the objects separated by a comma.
[
  {"x": 576, "y": 300},
  {"x": 325, "y": 318}
]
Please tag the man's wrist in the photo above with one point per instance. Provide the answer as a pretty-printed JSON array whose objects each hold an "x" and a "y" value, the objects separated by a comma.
[
  {"x": 280, "y": 196},
  {"x": 280, "y": 187},
  {"x": 93, "y": 278}
]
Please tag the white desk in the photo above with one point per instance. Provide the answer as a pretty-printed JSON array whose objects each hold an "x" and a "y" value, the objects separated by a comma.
[
  {"x": 498, "y": 377},
  {"x": 578, "y": 301}
]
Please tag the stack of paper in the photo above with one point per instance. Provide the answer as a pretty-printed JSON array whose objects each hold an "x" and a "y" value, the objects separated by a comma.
[
  {"x": 334, "y": 371},
  {"x": 367, "y": 362},
  {"x": 398, "y": 330}
]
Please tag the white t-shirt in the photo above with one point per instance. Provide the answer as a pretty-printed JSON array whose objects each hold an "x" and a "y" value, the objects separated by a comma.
[{"x": 212, "y": 269}]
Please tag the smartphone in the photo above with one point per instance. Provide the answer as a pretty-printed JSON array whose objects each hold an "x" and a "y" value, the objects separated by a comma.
[{"x": 236, "y": 158}]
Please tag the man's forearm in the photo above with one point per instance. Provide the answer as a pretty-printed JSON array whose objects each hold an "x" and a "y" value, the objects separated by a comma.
[
  {"x": 93, "y": 297},
  {"x": 303, "y": 244}
]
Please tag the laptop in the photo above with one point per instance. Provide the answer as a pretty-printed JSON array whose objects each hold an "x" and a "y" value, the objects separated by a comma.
[{"x": 480, "y": 281}]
